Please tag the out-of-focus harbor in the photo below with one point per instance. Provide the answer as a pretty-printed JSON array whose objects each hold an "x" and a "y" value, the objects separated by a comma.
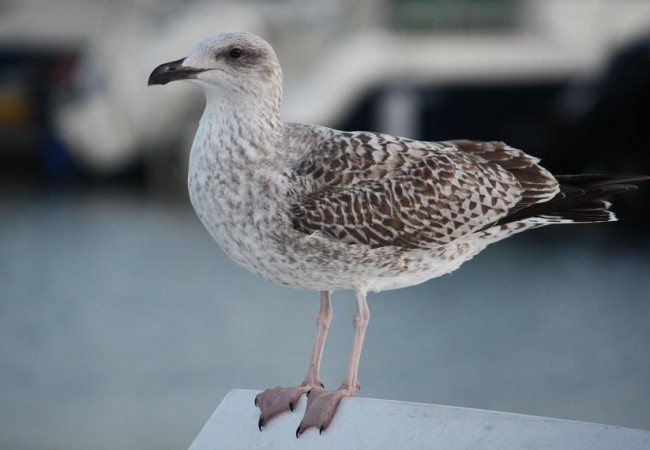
[{"x": 123, "y": 325}]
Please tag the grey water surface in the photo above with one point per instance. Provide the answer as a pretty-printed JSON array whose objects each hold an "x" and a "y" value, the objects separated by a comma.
[{"x": 122, "y": 325}]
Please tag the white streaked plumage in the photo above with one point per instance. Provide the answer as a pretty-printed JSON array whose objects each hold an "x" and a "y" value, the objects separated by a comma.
[{"x": 314, "y": 208}]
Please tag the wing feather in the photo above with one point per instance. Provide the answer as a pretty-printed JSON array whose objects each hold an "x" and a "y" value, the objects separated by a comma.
[{"x": 379, "y": 190}]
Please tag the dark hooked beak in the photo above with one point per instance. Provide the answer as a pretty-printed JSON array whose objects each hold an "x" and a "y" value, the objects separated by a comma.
[{"x": 172, "y": 71}]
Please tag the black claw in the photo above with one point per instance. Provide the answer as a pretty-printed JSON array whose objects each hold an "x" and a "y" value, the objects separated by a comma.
[
  {"x": 298, "y": 432},
  {"x": 255, "y": 400},
  {"x": 308, "y": 392},
  {"x": 320, "y": 431},
  {"x": 322, "y": 385},
  {"x": 291, "y": 406},
  {"x": 260, "y": 423}
]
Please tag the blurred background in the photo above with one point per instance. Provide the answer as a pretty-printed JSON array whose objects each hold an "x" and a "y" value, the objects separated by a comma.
[{"x": 122, "y": 325}]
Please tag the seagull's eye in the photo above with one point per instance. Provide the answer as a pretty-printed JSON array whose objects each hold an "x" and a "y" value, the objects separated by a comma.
[{"x": 235, "y": 53}]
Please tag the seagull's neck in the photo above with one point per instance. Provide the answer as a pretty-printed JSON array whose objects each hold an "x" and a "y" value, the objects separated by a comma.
[
  {"x": 241, "y": 130},
  {"x": 235, "y": 162}
]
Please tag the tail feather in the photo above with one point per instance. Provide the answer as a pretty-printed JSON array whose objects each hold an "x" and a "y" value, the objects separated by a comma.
[
  {"x": 591, "y": 180},
  {"x": 580, "y": 200}
]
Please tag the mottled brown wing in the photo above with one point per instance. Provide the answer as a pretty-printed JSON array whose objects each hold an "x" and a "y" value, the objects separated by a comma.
[
  {"x": 379, "y": 190},
  {"x": 538, "y": 185}
]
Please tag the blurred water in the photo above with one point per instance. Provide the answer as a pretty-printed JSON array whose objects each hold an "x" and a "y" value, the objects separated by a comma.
[{"x": 122, "y": 326}]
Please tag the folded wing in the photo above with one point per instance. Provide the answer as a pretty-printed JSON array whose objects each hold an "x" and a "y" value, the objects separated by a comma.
[{"x": 379, "y": 190}]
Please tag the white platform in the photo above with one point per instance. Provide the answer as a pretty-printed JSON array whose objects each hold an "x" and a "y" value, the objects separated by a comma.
[{"x": 364, "y": 423}]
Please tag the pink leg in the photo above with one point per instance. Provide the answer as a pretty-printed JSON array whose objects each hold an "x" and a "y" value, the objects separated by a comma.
[
  {"x": 322, "y": 404},
  {"x": 323, "y": 320},
  {"x": 276, "y": 400}
]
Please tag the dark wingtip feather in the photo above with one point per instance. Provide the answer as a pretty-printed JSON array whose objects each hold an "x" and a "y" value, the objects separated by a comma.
[
  {"x": 595, "y": 180},
  {"x": 580, "y": 199}
]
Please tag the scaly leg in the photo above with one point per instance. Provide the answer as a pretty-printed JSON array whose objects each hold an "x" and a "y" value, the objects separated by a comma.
[
  {"x": 321, "y": 404},
  {"x": 276, "y": 400}
]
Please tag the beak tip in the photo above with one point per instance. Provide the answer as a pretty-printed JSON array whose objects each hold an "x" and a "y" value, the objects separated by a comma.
[{"x": 172, "y": 71}]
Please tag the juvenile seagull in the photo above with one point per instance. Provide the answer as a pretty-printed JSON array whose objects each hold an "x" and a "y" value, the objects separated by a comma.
[{"x": 314, "y": 208}]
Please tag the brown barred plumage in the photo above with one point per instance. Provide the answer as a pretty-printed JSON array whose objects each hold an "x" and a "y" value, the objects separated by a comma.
[{"x": 379, "y": 190}]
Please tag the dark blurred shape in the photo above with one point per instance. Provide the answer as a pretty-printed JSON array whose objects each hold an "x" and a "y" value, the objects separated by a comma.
[
  {"x": 607, "y": 121},
  {"x": 611, "y": 113},
  {"x": 31, "y": 152},
  {"x": 29, "y": 81}
]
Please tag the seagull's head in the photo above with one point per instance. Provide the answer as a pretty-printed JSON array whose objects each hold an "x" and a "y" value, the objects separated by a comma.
[{"x": 226, "y": 64}]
